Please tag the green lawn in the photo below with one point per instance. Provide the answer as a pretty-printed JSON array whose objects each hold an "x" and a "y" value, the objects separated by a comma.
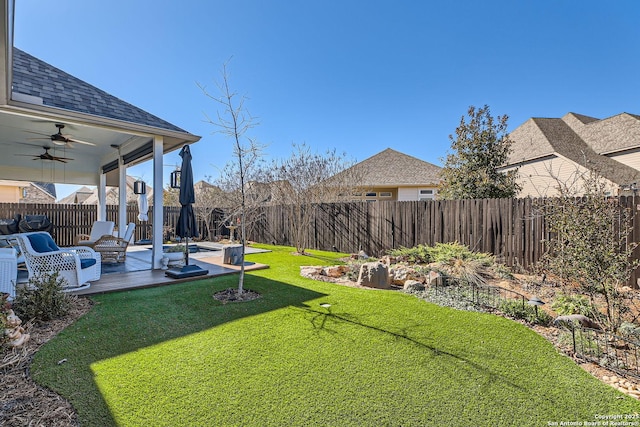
[{"x": 174, "y": 356}]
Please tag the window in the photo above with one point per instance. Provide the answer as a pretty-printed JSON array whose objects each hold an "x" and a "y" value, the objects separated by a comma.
[
  {"x": 426, "y": 194},
  {"x": 372, "y": 194},
  {"x": 385, "y": 194}
]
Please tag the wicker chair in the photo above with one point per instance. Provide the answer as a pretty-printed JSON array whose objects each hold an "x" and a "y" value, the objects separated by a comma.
[
  {"x": 78, "y": 265},
  {"x": 98, "y": 229},
  {"x": 8, "y": 271},
  {"x": 114, "y": 249}
]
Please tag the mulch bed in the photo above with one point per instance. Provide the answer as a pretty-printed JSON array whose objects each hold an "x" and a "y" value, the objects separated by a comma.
[{"x": 22, "y": 401}]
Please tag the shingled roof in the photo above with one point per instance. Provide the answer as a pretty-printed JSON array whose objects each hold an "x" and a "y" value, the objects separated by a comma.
[
  {"x": 581, "y": 139},
  {"x": 34, "y": 77},
  {"x": 390, "y": 168}
]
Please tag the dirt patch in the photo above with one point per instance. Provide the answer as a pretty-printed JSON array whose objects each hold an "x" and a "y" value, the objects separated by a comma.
[{"x": 22, "y": 401}]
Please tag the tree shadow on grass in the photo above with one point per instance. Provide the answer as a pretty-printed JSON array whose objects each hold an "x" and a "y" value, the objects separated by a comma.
[
  {"x": 321, "y": 319},
  {"x": 123, "y": 322}
]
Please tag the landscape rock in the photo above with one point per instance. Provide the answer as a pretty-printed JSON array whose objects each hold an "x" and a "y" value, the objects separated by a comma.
[
  {"x": 401, "y": 273},
  {"x": 433, "y": 277},
  {"x": 413, "y": 285},
  {"x": 310, "y": 271},
  {"x": 335, "y": 271},
  {"x": 374, "y": 275}
]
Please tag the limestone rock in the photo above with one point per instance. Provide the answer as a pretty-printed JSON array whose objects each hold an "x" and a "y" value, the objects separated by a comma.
[
  {"x": 413, "y": 285},
  {"x": 335, "y": 271},
  {"x": 374, "y": 275},
  {"x": 402, "y": 273}
]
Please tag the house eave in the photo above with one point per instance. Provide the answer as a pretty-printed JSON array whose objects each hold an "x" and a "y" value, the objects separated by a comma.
[{"x": 59, "y": 114}]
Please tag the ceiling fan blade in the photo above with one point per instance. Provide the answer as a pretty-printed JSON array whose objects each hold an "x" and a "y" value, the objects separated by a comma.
[
  {"x": 82, "y": 142},
  {"x": 37, "y": 133}
]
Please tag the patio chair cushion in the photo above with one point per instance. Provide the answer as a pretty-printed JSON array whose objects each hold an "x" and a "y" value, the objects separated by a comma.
[
  {"x": 87, "y": 262},
  {"x": 42, "y": 243}
]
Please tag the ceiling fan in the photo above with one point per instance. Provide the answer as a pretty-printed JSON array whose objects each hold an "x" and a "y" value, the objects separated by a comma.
[
  {"x": 47, "y": 156},
  {"x": 60, "y": 139}
]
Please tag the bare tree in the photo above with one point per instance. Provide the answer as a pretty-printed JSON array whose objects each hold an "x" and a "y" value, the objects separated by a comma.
[
  {"x": 589, "y": 250},
  {"x": 306, "y": 179},
  {"x": 210, "y": 199},
  {"x": 234, "y": 122}
]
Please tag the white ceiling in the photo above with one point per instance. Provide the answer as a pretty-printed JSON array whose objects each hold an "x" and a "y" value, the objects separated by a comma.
[{"x": 23, "y": 136}]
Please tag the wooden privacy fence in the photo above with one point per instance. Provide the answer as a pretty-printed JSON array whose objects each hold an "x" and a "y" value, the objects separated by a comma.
[
  {"x": 71, "y": 220},
  {"x": 511, "y": 229}
]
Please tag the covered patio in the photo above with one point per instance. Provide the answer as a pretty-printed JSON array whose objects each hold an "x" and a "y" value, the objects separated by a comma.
[
  {"x": 136, "y": 272},
  {"x": 57, "y": 128}
]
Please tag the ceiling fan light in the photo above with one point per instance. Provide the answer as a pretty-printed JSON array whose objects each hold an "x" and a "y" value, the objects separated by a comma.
[{"x": 56, "y": 142}]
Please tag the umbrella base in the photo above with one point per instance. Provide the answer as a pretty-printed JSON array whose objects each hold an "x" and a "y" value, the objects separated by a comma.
[{"x": 186, "y": 271}]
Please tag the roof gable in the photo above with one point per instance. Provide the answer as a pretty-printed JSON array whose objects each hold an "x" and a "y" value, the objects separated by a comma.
[
  {"x": 56, "y": 88},
  {"x": 392, "y": 168},
  {"x": 570, "y": 138}
]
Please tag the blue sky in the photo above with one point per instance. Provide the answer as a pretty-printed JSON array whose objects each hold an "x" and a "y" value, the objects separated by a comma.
[{"x": 358, "y": 76}]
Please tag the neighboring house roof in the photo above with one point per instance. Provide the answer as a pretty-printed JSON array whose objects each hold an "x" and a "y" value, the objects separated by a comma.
[
  {"x": 581, "y": 139},
  {"x": 88, "y": 196},
  {"x": 391, "y": 168},
  {"x": 34, "y": 77},
  {"x": 47, "y": 187},
  {"x": 77, "y": 197}
]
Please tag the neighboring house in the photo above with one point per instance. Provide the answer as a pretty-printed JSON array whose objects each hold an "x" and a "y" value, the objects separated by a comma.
[
  {"x": 27, "y": 192},
  {"x": 88, "y": 196},
  {"x": 394, "y": 176},
  {"x": 549, "y": 152}
]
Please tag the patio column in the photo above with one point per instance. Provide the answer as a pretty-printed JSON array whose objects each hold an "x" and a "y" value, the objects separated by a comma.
[
  {"x": 122, "y": 196},
  {"x": 158, "y": 208},
  {"x": 102, "y": 197}
]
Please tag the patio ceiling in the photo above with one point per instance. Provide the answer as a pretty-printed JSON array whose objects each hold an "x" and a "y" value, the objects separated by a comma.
[
  {"x": 35, "y": 96},
  {"x": 24, "y": 133}
]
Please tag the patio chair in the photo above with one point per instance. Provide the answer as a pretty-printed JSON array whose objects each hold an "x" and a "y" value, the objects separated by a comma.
[
  {"x": 114, "y": 249},
  {"x": 98, "y": 229},
  {"x": 78, "y": 265}
]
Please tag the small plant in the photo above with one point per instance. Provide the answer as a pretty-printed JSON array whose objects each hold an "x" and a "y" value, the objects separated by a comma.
[
  {"x": 176, "y": 248},
  {"x": 518, "y": 310},
  {"x": 502, "y": 271},
  {"x": 5, "y": 309},
  {"x": 43, "y": 299},
  {"x": 629, "y": 330},
  {"x": 573, "y": 304}
]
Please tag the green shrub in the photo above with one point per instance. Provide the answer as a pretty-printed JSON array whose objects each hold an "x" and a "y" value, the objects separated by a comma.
[
  {"x": 445, "y": 252},
  {"x": 573, "y": 304},
  {"x": 515, "y": 309},
  {"x": 417, "y": 255},
  {"x": 441, "y": 252},
  {"x": 629, "y": 330},
  {"x": 43, "y": 299}
]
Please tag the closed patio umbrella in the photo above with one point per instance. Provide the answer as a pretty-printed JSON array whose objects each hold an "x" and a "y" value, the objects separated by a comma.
[{"x": 187, "y": 226}]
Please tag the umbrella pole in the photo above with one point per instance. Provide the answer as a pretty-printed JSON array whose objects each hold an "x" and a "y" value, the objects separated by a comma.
[{"x": 186, "y": 254}]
